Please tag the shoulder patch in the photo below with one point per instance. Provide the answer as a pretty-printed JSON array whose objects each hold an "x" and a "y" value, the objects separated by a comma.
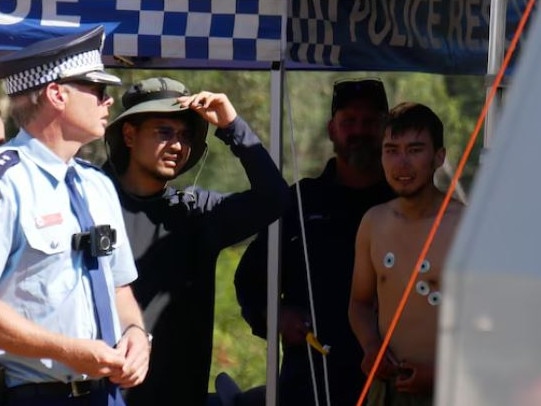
[
  {"x": 8, "y": 159},
  {"x": 87, "y": 164}
]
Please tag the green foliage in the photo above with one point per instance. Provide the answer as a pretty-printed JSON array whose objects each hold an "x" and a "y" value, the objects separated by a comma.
[{"x": 236, "y": 351}]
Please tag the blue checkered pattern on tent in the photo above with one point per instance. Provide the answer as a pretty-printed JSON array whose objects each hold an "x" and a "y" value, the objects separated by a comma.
[
  {"x": 247, "y": 30},
  {"x": 310, "y": 32},
  {"x": 243, "y": 30},
  {"x": 372, "y": 35},
  {"x": 375, "y": 35}
]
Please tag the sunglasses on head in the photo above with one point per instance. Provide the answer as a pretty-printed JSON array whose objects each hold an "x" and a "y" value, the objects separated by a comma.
[
  {"x": 349, "y": 89},
  {"x": 357, "y": 84}
]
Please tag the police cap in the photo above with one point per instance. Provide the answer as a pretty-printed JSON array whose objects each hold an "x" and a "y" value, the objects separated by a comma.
[{"x": 65, "y": 58}]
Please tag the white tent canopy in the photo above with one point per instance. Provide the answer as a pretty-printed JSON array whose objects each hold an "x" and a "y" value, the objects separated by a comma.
[{"x": 489, "y": 330}]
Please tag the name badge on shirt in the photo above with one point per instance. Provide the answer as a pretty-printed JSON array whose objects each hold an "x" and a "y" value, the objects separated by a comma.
[{"x": 48, "y": 220}]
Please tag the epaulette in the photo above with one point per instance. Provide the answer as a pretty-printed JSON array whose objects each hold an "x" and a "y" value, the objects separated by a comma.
[
  {"x": 88, "y": 164},
  {"x": 8, "y": 159}
]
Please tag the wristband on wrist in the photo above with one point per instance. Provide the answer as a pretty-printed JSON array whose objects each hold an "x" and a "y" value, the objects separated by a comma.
[{"x": 149, "y": 336}]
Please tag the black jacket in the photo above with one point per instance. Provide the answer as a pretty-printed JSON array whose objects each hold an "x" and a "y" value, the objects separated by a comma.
[
  {"x": 332, "y": 214},
  {"x": 176, "y": 239}
]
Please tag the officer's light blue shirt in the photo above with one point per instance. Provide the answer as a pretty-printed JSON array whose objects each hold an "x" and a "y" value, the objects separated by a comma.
[{"x": 41, "y": 277}]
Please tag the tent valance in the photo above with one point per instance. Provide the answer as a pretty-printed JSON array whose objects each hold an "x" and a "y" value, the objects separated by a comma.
[{"x": 449, "y": 37}]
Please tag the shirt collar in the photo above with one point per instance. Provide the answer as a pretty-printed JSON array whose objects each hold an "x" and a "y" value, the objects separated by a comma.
[{"x": 42, "y": 156}]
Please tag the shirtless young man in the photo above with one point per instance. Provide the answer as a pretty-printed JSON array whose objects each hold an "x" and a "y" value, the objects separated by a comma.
[{"x": 389, "y": 241}]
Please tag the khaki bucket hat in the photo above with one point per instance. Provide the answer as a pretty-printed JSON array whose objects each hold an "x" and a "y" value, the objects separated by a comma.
[{"x": 154, "y": 95}]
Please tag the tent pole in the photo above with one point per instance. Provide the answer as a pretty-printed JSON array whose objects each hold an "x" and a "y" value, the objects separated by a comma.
[
  {"x": 274, "y": 253},
  {"x": 496, "y": 50},
  {"x": 274, "y": 257}
]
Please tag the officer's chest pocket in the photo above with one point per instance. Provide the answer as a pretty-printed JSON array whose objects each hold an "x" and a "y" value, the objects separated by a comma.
[{"x": 47, "y": 232}]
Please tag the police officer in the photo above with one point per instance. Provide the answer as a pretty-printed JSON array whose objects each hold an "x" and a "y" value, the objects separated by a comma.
[
  {"x": 70, "y": 329},
  {"x": 177, "y": 235}
]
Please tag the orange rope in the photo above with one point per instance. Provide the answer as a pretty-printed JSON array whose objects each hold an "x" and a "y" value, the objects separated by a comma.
[{"x": 445, "y": 203}]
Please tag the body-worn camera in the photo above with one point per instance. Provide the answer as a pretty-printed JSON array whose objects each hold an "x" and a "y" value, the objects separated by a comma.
[{"x": 98, "y": 241}]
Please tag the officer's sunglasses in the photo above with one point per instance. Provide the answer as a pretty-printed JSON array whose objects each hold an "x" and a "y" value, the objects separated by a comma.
[{"x": 97, "y": 89}]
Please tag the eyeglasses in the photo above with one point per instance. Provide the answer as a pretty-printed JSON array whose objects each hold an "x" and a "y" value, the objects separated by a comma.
[
  {"x": 166, "y": 134},
  {"x": 97, "y": 89}
]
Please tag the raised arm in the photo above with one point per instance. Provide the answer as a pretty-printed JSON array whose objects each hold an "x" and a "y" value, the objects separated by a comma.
[{"x": 239, "y": 215}]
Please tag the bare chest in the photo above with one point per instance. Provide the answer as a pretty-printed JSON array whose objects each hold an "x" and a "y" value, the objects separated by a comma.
[{"x": 396, "y": 250}]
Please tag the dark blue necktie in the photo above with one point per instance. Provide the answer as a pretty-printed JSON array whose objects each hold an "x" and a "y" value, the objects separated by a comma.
[{"x": 100, "y": 293}]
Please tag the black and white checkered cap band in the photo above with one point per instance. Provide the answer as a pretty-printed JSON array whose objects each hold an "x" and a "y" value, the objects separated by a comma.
[{"x": 72, "y": 65}]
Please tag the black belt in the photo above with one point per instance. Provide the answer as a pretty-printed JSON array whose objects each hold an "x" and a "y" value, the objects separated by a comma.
[{"x": 55, "y": 389}]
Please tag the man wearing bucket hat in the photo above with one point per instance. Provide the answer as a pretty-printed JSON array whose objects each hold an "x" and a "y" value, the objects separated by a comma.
[
  {"x": 177, "y": 235},
  {"x": 71, "y": 329}
]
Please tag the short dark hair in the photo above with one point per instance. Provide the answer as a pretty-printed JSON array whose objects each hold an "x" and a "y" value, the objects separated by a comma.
[
  {"x": 371, "y": 89},
  {"x": 409, "y": 115}
]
